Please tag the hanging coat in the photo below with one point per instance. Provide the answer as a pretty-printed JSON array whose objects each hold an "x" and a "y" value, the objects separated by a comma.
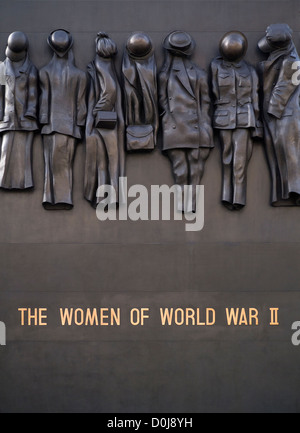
[
  {"x": 62, "y": 116},
  {"x": 140, "y": 93},
  {"x": 184, "y": 97},
  {"x": 105, "y": 151},
  {"x": 62, "y": 103},
  {"x": 281, "y": 111},
  {"x": 18, "y": 122}
]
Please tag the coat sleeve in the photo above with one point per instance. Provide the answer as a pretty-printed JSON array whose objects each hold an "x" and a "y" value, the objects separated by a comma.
[
  {"x": 81, "y": 101},
  {"x": 155, "y": 110},
  {"x": 32, "y": 95},
  {"x": 206, "y": 131},
  {"x": 90, "y": 98},
  {"x": 162, "y": 93},
  {"x": 131, "y": 103},
  {"x": 258, "y": 132},
  {"x": 214, "y": 80},
  {"x": 2, "y": 102},
  {"x": 283, "y": 90},
  {"x": 44, "y": 115}
]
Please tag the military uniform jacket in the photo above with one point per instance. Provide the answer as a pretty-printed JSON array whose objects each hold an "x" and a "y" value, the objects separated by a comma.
[{"x": 235, "y": 89}]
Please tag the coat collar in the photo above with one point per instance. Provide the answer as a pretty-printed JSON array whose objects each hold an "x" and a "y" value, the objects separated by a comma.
[
  {"x": 185, "y": 74},
  {"x": 229, "y": 64},
  {"x": 232, "y": 64},
  {"x": 278, "y": 56},
  {"x": 16, "y": 72}
]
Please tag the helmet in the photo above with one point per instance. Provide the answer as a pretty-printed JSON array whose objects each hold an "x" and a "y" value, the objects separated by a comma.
[
  {"x": 17, "y": 46},
  {"x": 139, "y": 45},
  {"x": 233, "y": 46}
]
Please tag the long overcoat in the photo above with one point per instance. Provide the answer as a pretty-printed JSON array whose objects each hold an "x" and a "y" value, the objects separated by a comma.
[
  {"x": 140, "y": 91},
  {"x": 105, "y": 149},
  {"x": 62, "y": 116},
  {"x": 18, "y": 122},
  {"x": 281, "y": 112},
  {"x": 62, "y": 101}
]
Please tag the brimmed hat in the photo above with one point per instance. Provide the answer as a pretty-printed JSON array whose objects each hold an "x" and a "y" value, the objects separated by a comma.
[
  {"x": 179, "y": 42},
  {"x": 17, "y": 46},
  {"x": 61, "y": 41},
  {"x": 139, "y": 45},
  {"x": 277, "y": 36}
]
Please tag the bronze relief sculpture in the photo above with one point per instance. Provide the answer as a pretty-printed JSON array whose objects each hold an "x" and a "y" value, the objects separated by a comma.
[
  {"x": 140, "y": 93},
  {"x": 18, "y": 114},
  {"x": 281, "y": 114},
  {"x": 113, "y": 124},
  {"x": 186, "y": 123},
  {"x": 105, "y": 148},
  {"x": 62, "y": 117},
  {"x": 236, "y": 116}
]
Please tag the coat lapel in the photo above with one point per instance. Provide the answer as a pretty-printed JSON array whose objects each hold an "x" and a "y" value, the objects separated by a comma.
[
  {"x": 183, "y": 76},
  {"x": 192, "y": 79},
  {"x": 10, "y": 76}
]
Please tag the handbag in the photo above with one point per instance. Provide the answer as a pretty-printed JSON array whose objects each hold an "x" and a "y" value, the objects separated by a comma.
[
  {"x": 106, "y": 119},
  {"x": 140, "y": 137}
]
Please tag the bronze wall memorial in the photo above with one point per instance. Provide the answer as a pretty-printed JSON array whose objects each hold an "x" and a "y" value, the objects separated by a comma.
[{"x": 192, "y": 92}]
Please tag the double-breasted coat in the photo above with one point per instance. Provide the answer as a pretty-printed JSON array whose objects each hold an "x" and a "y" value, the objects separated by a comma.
[
  {"x": 186, "y": 122},
  {"x": 281, "y": 115},
  {"x": 185, "y": 101}
]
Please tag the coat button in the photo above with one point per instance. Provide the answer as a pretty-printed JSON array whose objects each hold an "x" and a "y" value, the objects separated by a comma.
[{"x": 174, "y": 126}]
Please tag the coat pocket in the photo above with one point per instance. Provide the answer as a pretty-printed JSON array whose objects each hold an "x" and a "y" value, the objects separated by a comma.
[
  {"x": 224, "y": 80},
  {"x": 221, "y": 118},
  {"x": 245, "y": 80},
  {"x": 288, "y": 112},
  {"x": 243, "y": 119}
]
